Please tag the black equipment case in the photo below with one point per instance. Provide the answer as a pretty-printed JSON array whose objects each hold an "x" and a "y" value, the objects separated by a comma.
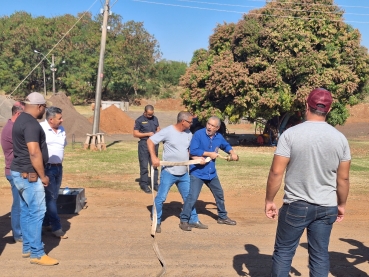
[{"x": 72, "y": 202}]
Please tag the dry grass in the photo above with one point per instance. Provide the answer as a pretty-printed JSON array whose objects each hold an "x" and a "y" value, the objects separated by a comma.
[
  {"x": 84, "y": 110},
  {"x": 118, "y": 168}
]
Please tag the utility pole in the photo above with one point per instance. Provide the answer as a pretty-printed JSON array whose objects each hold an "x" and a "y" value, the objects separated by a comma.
[
  {"x": 43, "y": 71},
  {"x": 53, "y": 69},
  {"x": 100, "y": 74}
]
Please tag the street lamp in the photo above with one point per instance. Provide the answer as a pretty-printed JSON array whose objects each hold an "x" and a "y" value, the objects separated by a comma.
[{"x": 52, "y": 68}]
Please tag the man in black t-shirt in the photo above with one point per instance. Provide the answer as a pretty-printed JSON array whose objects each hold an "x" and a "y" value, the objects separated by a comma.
[
  {"x": 145, "y": 126},
  {"x": 27, "y": 169}
]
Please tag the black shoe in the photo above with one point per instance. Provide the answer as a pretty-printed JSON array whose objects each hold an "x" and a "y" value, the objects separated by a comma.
[
  {"x": 226, "y": 221},
  {"x": 198, "y": 225},
  {"x": 158, "y": 228},
  {"x": 146, "y": 189},
  {"x": 185, "y": 226},
  {"x": 156, "y": 187},
  {"x": 18, "y": 240}
]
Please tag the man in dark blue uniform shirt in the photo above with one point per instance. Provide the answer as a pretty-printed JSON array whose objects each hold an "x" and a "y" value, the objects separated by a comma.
[{"x": 145, "y": 126}]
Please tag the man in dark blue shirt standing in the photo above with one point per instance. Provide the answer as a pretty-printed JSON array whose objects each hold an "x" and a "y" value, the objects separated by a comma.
[
  {"x": 205, "y": 143},
  {"x": 146, "y": 126}
]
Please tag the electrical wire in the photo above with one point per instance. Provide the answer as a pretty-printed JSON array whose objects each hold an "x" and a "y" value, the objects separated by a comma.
[
  {"x": 270, "y": 8},
  {"x": 113, "y": 4},
  {"x": 246, "y": 12},
  {"x": 45, "y": 57},
  {"x": 315, "y": 4},
  {"x": 190, "y": 7}
]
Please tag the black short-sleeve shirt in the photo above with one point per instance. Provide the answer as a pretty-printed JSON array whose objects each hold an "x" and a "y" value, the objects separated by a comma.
[
  {"x": 27, "y": 129},
  {"x": 146, "y": 125}
]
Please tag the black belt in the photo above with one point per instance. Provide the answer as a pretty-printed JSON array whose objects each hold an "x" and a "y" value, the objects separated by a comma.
[{"x": 54, "y": 164}]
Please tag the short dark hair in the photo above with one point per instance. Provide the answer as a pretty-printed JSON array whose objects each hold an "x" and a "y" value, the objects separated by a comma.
[
  {"x": 316, "y": 112},
  {"x": 52, "y": 111},
  {"x": 149, "y": 108},
  {"x": 18, "y": 107}
]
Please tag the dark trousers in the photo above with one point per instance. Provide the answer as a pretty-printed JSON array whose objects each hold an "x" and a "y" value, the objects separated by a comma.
[
  {"x": 293, "y": 219},
  {"x": 55, "y": 174},
  {"x": 195, "y": 188},
  {"x": 145, "y": 159}
]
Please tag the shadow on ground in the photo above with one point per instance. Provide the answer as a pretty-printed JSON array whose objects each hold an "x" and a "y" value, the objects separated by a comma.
[
  {"x": 5, "y": 228},
  {"x": 254, "y": 264},
  {"x": 50, "y": 240},
  {"x": 340, "y": 263},
  {"x": 174, "y": 208}
]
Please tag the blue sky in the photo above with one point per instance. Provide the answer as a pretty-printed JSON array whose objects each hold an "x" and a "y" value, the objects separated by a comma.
[{"x": 179, "y": 29}]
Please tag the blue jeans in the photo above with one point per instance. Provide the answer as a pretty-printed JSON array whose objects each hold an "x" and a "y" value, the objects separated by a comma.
[
  {"x": 166, "y": 182},
  {"x": 16, "y": 210},
  {"x": 292, "y": 220},
  {"x": 195, "y": 188},
  {"x": 32, "y": 203},
  {"x": 55, "y": 174}
]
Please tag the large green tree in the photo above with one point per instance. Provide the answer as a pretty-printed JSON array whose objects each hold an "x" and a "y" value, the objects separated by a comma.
[
  {"x": 165, "y": 76},
  {"x": 131, "y": 54},
  {"x": 132, "y": 57},
  {"x": 267, "y": 63}
]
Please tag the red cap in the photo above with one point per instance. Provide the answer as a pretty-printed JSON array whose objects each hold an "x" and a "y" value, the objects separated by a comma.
[{"x": 320, "y": 99}]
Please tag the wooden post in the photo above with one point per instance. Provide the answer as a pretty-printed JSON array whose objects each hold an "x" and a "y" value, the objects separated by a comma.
[
  {"x": 95, "y": 142},
  {"x": 87, "y": 142},
  {"x": 103, "y": 145}
]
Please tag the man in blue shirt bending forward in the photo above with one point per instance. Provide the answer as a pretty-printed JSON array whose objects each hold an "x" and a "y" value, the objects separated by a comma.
[{"x": 205, "y": 143}]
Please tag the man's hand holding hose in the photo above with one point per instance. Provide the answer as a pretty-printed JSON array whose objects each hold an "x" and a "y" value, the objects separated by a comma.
[
  {"x": 231, "y": 157},
  {"x": 212, "y": 155},
  {"x": 154, "y": 159}
]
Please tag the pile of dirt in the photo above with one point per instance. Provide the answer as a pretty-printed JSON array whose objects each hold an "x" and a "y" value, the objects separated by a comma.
[
  {"x": 73, "y": 122},
  {"x": 6, "y": 105},
  {"x": 358, "y": 113},
  {"x": 115, "y": 121},
  {"x": 169, "y": 104}
]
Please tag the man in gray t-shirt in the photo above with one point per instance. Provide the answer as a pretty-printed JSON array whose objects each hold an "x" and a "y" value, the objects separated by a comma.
[
  {"x": 316, "y": 158},
  {"x": 176, "y": 139}
]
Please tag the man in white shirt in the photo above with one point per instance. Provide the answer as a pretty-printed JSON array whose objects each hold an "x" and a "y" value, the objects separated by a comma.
[{"x": 56, "y": 142}]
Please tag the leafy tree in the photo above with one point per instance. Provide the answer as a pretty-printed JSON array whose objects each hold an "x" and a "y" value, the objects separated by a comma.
[
  {"x": 164, "y": 78},
  {"x": 131, "y": 53},
  {"x": 132, "y": 57},
  {"x": 169, "y": 72},
  {"x": 267, "y": 63}
]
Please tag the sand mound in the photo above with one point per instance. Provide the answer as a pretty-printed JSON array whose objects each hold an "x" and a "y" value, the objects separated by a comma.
[
  {"x": 74, "y": 122},
  {"x": 5, "y": 107},
  {"x": 358, "y": 113},
  {"x": 115, "y": 121}
]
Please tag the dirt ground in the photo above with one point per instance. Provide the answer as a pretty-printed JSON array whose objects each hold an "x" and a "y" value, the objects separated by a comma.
[{"x": 111, "y": 237}]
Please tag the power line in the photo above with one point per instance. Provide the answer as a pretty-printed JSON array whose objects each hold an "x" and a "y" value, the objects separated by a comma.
[
  {"x": 246, "y": 12},
  {"x": 53, "y": 48},
  {"x": 315, "y": 4},
  {"x": 190, "y": 7},
  {"x": 270, "y": 8}
]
